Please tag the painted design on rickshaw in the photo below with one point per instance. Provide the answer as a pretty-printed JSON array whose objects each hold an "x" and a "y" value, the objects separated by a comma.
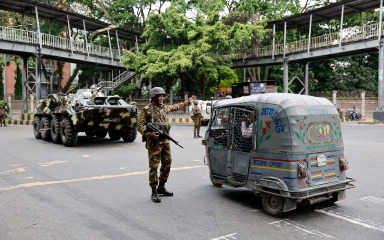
[
  {"x": 264, "y": 130},
  {"x": 317, "y": 111},
  {"x": 320, "y": 133},
  {"x": 329, "y": 173},
  {"x": 301, "y": 125},
  {"x": 329, "y": 161},
  {"x": 263, "y": 163},
  {"x": 338, "y": 129},
  {"x": 279, "y": 126}
]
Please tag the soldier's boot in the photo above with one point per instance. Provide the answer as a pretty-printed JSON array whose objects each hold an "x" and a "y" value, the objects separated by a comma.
[
  {"x": 198, "y": 135},
  {"x": 162, "y": 190},
  {"x": 155, "y": 197},
  {"x": 194, "y": 135}
]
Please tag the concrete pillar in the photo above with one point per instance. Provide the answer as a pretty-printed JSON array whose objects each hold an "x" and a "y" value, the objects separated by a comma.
[
  {"x": 334, "y": 96},
  {"x": 285, "y": 76},
  {"x": 362, "y": 94},
  {"x": 9, "y": 101},
  {"x": 5, "y": 76},
  {"x": 186, "y": 99},
  {"x": 171, "y": 96},
  {"x": 306, "y": 81},
  {"x": 38, "y": 76},
  {"x": 379, "y": 113},
  {"x": 24, "y": 67},
  {"x": 32, "y": 98}
]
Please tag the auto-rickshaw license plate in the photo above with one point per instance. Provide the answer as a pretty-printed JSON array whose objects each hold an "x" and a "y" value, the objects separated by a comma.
[{"x": 321, "y": 160}]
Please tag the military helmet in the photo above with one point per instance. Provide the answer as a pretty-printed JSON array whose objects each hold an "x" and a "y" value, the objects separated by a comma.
[{"x": 156, "y": 91}]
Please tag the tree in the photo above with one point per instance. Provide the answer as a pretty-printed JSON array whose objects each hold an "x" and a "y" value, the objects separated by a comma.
[
  {"x": 19, "y": 81},
  {"x": 178, "y": 48}
]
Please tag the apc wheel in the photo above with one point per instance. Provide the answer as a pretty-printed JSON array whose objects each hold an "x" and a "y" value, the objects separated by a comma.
[
  {"x": 68, "y": 134},
  {"x": 129, "y": 135},
  {"x": 114, "y": 135},
  {"x": 273, "y": 205},
  {"x": 215, "y": 182},
  {"x": 101, "y": 134},
  {"x": 55, "y": 130},
  {"x": 36, "y": 127},
  {"x": 46, "y": 125}
]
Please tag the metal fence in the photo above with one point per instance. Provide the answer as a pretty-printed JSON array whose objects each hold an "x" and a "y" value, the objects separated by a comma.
[
  {"x": 348, "y": 35},
  {"x": 50, "y": 41}
]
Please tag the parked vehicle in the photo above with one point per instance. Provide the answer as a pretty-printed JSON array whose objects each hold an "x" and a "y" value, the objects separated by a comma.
[
  {"x": 284, "y": 147},
  {"x": 205, "y": 109},
  {"x": 350, "y": 115},
  {"x": 61, "y": 117}
]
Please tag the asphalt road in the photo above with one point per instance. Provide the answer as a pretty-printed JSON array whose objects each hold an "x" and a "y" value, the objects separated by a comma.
[{"x": 99, "y": 190}]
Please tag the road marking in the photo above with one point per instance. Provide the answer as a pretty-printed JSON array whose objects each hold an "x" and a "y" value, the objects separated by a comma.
[
  {"x": 226, "y": 237},
  {"x": 197, "y": 160},
  {"x": 85, "y": 156},
  {"x": 47, "y": 164},
  {"x": 35, "y": 184},
  {"x": 303, "y": 230},
  {"x": 29, "y": 177},
  {"x": 13, "y": 171},
  {"x": 373, "y": 199},
  {"x": 335, "y": 212}
]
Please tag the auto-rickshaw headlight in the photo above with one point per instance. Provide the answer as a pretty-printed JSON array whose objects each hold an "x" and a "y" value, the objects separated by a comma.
[
  {"x": 343, "y": 164},
  {"x": 302, "y": 170}
]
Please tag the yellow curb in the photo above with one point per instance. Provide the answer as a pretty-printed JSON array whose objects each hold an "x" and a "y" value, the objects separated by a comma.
[{"x": 180, "y": 120}]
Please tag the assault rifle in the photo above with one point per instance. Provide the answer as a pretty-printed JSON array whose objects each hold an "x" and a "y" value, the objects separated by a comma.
[{"x": 152, "y": 128}]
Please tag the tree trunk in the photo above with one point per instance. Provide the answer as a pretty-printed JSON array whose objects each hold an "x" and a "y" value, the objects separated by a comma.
[
  {"x": 266, "y": 73},
  {"x": 197, "y": 85}
]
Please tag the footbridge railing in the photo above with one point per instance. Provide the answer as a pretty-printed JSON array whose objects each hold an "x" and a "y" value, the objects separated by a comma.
[
  {"x": 349, "y": 35},
  {"x": 50, "y": 41}
]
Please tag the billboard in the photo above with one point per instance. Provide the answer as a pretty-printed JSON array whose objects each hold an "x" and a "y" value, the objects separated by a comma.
[{"x": 256, "y": 88}]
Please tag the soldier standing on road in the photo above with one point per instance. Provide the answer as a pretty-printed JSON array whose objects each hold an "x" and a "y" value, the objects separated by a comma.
[
  {"x": 2, "y": 116},
  {"x": 196, "y": 116},
  {"x": 158, "y": 149}
]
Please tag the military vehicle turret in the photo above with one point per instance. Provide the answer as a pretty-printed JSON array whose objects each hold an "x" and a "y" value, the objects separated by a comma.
[{"x": 61, "y": 117}]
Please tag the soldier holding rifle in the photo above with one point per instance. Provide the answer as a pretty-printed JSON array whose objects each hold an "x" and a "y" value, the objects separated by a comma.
[{"x": 158, "y": 147}]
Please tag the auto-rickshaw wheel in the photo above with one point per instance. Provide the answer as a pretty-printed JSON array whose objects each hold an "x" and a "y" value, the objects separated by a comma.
[
  {"x": 273, "y": 205},
  {"x": 334, "y": 198},
  {"x": 215, "y": 182}
]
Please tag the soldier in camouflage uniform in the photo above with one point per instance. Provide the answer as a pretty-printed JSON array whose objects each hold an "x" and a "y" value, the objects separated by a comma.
[
  {"x": 196, "y": 117},
  {"x": 158, "y": 149},
  {"x": 2, "y": 116}
]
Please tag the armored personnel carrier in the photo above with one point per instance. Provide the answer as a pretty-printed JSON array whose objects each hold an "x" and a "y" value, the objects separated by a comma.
[{"x": 61, "y": 117}]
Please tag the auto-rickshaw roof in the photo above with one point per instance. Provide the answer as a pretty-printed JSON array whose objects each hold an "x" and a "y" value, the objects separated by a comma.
[{"x": 285, "y": 100}]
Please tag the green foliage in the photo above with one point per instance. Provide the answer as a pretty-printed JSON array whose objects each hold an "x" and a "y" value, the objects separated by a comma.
[
  {"x": 354, "y": 74},
  {"x": 126, "y": 90},
  {"x": 19, "y": 81},
  {"x": 178, "y": 48},
  {"x": 2, "y": 103}
]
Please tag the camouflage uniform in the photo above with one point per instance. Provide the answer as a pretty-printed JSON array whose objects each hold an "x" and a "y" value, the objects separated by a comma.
[
  {"x": 2, "y": 116},
  {"x": 158, "y": 150},
  {"x": 196, "y": 120}
]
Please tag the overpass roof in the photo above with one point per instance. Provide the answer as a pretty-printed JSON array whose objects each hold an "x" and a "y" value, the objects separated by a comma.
[
  {"x": 324, "y": 14},
  {"x": 51, "y": 13}
]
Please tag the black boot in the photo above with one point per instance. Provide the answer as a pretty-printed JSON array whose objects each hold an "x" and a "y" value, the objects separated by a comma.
[
  {"x": 194, "y": 135},
  {"x": 198, "y": 135},
  {"x": 162, "y": 190},
  {"x": 155, "y": 197}
]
